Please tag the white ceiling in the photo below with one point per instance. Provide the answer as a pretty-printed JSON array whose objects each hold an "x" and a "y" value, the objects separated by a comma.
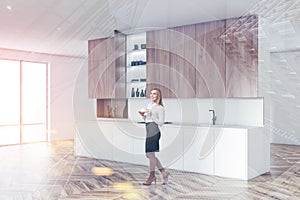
[{"x": 64, "y": 26}]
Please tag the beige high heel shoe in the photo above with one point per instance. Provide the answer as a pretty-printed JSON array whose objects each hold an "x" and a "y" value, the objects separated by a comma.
[
  {"x": 149, "y": 181},
  {"x": 166, "y": 175}
]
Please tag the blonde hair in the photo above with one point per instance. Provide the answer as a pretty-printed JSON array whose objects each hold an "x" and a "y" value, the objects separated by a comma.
[{"x": 159, "y": 97}]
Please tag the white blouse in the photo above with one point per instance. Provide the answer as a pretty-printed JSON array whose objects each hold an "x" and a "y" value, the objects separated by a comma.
[{"x": 157, "y": 114}]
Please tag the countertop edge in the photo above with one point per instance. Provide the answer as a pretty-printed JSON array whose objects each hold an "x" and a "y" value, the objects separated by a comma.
[{"x": 179, "y": 124}]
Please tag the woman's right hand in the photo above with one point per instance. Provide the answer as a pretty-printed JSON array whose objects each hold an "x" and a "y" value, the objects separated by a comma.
[{"x": 141, "y": 113}]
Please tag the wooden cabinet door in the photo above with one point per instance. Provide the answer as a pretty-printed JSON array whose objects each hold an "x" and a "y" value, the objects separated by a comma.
[
  {"x": 120, "y": 65},
  {"x": 108, "y": 77},
  {"x": 242, "y": 57},
  {"x": 158, "y": 61},
  {"x": 106, "y": 72},
  {"x": 96, "y": 67},
  {"x": 210, "y": 60},
  {"x": 182, "y": 62}
]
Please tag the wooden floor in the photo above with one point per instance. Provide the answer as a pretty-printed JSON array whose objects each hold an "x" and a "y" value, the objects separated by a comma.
[{"x": 50, "y": 171}]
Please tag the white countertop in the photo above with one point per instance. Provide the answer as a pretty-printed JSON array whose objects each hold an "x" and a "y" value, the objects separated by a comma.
[{"x": 120, "y": 120}]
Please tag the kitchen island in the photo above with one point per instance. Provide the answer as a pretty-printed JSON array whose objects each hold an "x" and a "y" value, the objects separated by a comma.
[{"x": 234, "y": 151}]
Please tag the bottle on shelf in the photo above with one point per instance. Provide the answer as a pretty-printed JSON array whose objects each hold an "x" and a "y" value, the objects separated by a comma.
[
  {"x": 139, "y": 62},
  {"x": 137, "y": 93},
  {"x": 142, "y": 93},
  {"x": 132, "y": 92}
]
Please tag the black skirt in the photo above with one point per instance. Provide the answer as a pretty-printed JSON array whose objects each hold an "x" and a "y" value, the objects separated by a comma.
[{"x": 153, "y": 136}]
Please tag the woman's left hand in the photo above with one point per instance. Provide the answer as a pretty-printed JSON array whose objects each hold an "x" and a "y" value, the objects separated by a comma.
[{"x": 149, "y": 112}]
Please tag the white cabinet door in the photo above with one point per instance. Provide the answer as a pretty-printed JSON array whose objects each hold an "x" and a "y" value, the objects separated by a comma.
[
  {"x": 171, "y": 147},
  {"x": 231, "y": 152},
  {"x": 123, "y": 143},
  {"x": 199, "y": 150},
  {"x": 139, "y": 137},
  {"x": 104, "y": 140}
]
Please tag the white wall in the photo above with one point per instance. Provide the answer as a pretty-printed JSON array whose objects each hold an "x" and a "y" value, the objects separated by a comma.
[
  {"x": 229, "y": 111},
  {"x": 64, "y": 75},
  {"x": 279, "y": 80},
  {"x": 63, "y": 72}
]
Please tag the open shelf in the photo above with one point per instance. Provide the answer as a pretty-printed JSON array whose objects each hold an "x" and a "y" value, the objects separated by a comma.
[{"x": 136, "y": 66}]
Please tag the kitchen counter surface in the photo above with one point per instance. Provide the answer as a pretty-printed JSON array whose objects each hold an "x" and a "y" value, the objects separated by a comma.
[{"x": 176, "y": 124}]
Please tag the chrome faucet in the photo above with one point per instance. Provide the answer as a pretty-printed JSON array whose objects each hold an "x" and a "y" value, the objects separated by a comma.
[{"x": 214, "y": 118}]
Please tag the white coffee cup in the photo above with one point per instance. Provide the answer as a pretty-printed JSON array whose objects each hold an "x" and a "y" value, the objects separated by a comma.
[{"x": 142, "y": 110}]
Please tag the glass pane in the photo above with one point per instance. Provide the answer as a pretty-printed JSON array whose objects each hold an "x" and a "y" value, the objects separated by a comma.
[
  {"x": 10, "y": 92},
  {"x": 34, "y": 92},
  {"x": 9, "y": 135},
  {"x": 34, "y": 133}
]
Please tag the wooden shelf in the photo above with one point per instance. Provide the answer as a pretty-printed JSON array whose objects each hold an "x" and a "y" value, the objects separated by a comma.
[
  {"x": 135, "y": 65},
  {"x": 112, "y": 108},
  {"x": 136, "y": 51}
]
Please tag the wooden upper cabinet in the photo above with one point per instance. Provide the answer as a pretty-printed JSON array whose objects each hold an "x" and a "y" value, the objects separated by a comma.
[
  {"x": 171, "y": 61},
  {"x": 210, "y": 60},
  {"x": 242, "y": 57},
  {"x": 158, "y": 61},
  {"x": 182, "y": 62},
  {"x": 106, "y": 68}
]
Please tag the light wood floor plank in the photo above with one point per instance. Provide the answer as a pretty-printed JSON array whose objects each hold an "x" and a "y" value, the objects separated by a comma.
[{"x": 51, "y": 171}]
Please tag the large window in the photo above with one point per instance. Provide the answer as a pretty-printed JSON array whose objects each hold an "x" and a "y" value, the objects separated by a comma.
[{"x": 23, "y": 102}]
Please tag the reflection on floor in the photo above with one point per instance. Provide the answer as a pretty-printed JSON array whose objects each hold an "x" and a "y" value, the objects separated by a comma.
[{"x": 50, "y": 171}]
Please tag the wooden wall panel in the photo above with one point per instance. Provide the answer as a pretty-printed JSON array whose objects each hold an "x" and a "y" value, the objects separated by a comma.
[
  {"x": 242, "y": 57},
  {"x": 158, "y": 61},
  {"x": 108, "y": 79},
  {"x": 150, "y": 40},
  {"x": 176, "y": 61},
  {"x": 190, "y": 55},
  {"x": 182, "y": 62},
  {"x": 210, "y": 59}
]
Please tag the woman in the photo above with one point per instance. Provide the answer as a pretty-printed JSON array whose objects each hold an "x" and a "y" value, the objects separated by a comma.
[{"x": 154, "y": 116}]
